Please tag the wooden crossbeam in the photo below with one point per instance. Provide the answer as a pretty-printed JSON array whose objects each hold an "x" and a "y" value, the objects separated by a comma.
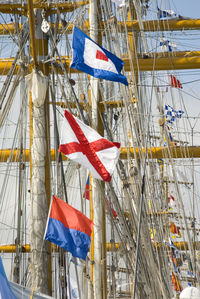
[
  {"x": 26, "y": 248},
  {"x": 162, "y": 25},
  {"x": 153, "y": 25},
  {"x": 176, "y": 152},
  {"x": 17, "y": 8},
  {"x": 102, "y": 105},
  {"x": 110, "y": 247},
  {"x": 179, "y": 61}
]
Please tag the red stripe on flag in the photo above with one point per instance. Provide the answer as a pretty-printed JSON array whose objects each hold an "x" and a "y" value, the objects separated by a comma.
[
  {"x": 100, "y": 55},
  {"x": 98, "y": 145},
  {"x": 109, "y": 206},
  {"x": 86, "y": 193},
  {"x": 172, "y": 197},
  {"x": 70, "y": 217},
  {"x": 175, "y": 82}
]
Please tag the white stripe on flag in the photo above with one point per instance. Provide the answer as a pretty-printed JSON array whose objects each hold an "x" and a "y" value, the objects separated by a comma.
[{"x": 90, "y": 59}]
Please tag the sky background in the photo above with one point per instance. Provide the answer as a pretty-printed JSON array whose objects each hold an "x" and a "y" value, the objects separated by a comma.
[{"x": 189, "y": 96}]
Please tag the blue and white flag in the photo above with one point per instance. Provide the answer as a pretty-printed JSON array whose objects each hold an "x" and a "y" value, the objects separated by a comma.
[
  {"x": 170, "y": 244},
  {"x": 190, "y": 274},
  {"x": 166, "y": 45},
  {"x": 94, "y": 60},
  {"x": 175, "y": 251},
  {"x": 172, "y": 114},
  {"x": 165, "y": 13},
  {"x": 5, "y": 289}
]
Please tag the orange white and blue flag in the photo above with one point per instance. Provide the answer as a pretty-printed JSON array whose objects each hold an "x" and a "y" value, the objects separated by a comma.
[{"x": 68, "y": 228}]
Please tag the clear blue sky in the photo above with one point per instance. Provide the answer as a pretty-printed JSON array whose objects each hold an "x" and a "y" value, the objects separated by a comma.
[{"x": 187, "y": 8}]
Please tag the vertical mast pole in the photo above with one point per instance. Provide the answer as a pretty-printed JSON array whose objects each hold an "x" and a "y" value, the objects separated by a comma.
[
  {"x": 99, "y": 273},
  {"x": 16, "y": 272},
  {"x": 40, "y": 166}
]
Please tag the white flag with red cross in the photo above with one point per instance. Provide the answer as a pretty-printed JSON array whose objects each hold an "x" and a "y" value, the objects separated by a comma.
[{"x": 84, "y": 145}]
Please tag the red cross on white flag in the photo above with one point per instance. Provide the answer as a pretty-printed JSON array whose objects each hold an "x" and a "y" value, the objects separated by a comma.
[{"x": 84, "y": 145}]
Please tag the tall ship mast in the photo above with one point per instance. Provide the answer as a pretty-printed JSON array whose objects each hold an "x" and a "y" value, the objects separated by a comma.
[{"x": 127, "y": 72}]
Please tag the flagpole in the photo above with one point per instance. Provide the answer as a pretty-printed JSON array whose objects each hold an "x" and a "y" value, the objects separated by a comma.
[
  {"x": 99, "y": 273},
  {"x": 48, "y": 217}
]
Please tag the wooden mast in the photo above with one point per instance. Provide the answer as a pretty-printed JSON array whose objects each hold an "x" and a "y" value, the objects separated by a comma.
[
  {"x": 99, "y": 268},
  {"x": 40, "y": 178}
]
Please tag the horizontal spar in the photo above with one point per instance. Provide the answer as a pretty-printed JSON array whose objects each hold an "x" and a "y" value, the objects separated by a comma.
[
  {"x": 179, "y": 61},
  {"x": 102, "y": 105},
  {"x": 176, "y": 152},
  {"x": 27, "y": 248},
  {"x": 17, "y": 8},
  {"x": 161, "y": 63},
  {"x": 153, "y": 25},
  {"x": 109, "y": 246},
  {"x": 163, "y": 25}
]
